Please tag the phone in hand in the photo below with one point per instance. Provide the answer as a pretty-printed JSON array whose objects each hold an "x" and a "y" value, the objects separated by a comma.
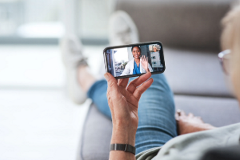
[{"x": 134, "y": 59}]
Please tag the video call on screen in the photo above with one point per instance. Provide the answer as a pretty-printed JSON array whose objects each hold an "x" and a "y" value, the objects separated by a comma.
[{"x": 137, "y": 59}]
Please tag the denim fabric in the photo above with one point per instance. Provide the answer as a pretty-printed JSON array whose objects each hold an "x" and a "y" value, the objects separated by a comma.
[{"x": 156, "y": 111}]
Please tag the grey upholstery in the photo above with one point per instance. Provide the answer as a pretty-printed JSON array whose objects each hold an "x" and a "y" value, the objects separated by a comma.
[
  {"x": 96, "y": 135},
  {"x": 193, "y": 24},
  {"x": 195, "y": 73}
]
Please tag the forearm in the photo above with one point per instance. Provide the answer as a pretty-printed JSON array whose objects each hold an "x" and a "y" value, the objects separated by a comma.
[{"x": 122, "y": 136}]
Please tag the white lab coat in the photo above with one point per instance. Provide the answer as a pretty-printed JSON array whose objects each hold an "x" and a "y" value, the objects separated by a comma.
[{"x": 130, "y": 66}]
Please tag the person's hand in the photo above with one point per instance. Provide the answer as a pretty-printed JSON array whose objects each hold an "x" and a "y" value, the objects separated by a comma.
[
  {"x": 190, "y": 123},
  {"x": 144, "y": 62},
  {"x": 123, "y": 102}
]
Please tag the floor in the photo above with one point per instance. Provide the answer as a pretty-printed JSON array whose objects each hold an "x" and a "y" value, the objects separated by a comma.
[{"x": 37, "y": 120}]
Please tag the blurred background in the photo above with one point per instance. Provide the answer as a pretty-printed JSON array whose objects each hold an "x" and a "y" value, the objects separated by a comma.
[{"x": 37, "y": 121}]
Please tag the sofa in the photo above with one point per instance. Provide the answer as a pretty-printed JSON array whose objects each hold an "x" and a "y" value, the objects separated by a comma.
[{"x": 190, "y": 32}]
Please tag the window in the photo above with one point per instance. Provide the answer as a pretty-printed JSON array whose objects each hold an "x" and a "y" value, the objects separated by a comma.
[
  {"x": 41, "y": 21},
  {"x": 94, "y": 15}
]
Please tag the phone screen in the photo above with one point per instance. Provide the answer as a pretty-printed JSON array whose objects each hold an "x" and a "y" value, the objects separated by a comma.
[{"x": 134, "y": 60}]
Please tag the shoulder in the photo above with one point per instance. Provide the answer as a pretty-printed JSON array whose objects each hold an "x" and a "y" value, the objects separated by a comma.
[{"x": 130, "y": 62}]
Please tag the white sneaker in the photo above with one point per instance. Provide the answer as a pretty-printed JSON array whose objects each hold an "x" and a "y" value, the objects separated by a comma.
[
  {"x": 71, "y": 49},
  {"x": 122, "y": 29}
]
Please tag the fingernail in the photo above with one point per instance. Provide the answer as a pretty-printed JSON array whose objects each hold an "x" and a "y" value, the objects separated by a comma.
[
  {"x": 106, "y": 76},
  {"x": 179, "y": 110}
]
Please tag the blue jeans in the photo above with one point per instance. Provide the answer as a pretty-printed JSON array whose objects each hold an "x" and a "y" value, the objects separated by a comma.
[{"x": 156, "y": 111}]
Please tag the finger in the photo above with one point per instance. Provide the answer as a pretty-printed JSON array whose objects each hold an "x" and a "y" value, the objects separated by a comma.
[
  {"x": 123, "y": 82},
  {"x": 141, "y": 89},
  {"x": 182, "y": 113},
  {"x": 112, "y": 85},
  {"x": 135, "y": 83},
  {"x": 110, "y": 79},
  {"x": 178, "y": 112},
  {"x": 200, "y": 118},
  {"x": 177, "y": 116},
  {"x": 190, "y": 115}
]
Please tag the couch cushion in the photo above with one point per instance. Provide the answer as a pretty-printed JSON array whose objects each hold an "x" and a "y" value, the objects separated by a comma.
[
  {"x": 195, "y": 73},
  {"x": 186, "y": 24},
  {"x": 96, "y": 136}
]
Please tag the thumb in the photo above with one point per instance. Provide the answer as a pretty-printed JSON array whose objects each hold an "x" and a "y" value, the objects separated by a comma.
[
  {"x": 112, "y": 90},
  {"x": 112, "y": 82}
]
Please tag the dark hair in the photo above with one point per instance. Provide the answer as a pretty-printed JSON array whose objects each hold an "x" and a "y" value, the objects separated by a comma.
[{"x": 137, "y": 47}]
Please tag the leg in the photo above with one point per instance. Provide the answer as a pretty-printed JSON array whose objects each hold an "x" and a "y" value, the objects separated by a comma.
[
  {"x": 96, "y": 90},
  {"x": 85, "y": 78},
  {"x": 157, "y": 123},
  {"x": 98, "y": 94}
]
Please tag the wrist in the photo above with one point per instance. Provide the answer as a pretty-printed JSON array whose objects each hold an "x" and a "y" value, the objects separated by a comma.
[
  {"x": 123, "y": 136},
  {"x": 146, "y": 69}
]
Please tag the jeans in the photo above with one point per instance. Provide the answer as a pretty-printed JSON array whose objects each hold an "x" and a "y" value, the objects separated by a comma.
[{"x": 156, "y": 111}]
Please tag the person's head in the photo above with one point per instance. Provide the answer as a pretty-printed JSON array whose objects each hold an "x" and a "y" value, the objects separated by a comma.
[
  {"x": 231, "y": 40},
  {"x": 154, "y": 49},
  {"x": 136, "y": 52}
]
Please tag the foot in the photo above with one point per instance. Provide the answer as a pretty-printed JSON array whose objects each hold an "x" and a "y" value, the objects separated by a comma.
[
  {"x": 190, "y": 123},
  {"x": 72, "y": 58},
  {"x": 122, "y": 29}
]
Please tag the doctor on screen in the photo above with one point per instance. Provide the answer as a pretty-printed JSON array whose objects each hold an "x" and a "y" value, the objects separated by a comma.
[{"x": 138, "y": 65}]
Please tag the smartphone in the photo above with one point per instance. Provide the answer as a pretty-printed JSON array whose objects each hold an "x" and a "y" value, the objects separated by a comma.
[{"x": 134, "y": 59}]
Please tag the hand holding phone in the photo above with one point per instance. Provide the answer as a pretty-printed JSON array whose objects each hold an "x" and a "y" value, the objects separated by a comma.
[{"x": 134, "y": 59}]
